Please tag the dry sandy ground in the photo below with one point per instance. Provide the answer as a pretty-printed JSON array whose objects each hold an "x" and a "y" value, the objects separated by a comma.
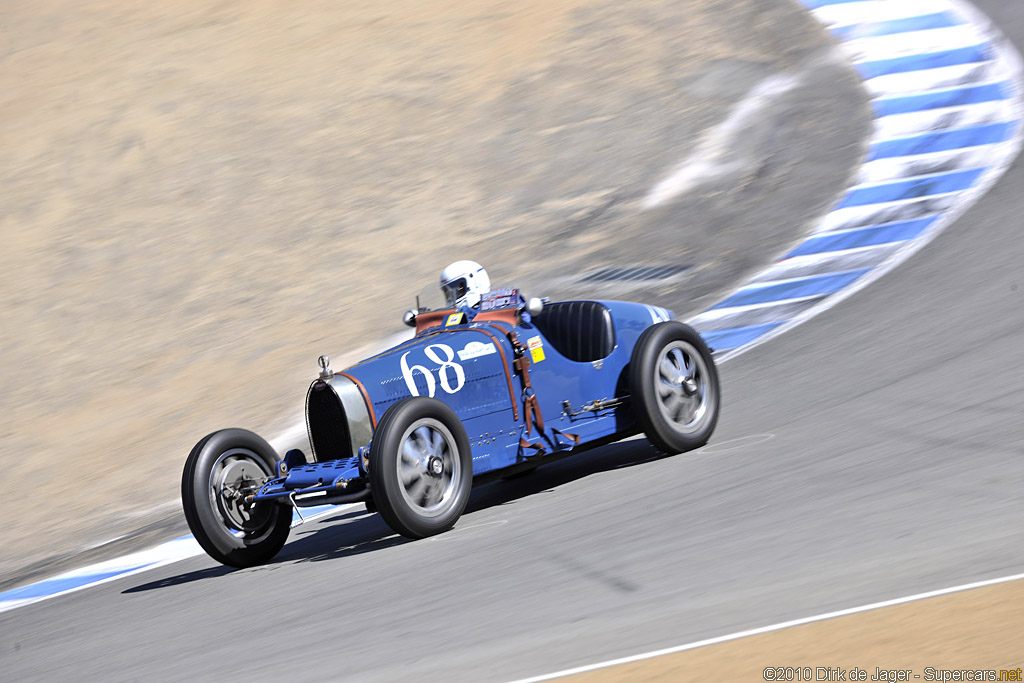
[
  {"x": 196, "y": 199},
  {"x": 976, "y": 630}
]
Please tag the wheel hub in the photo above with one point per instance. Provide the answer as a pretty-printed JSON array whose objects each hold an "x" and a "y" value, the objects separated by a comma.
[
  {"x": 428, "y": 468},
  {"x": 435, "y": 466},
  {"x": 234, "y": 476},
  {"x": 680, "y": 380}
]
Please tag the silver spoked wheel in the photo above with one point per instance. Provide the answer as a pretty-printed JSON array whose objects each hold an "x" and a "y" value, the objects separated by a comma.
[
  {"x": 674, "y": 387},
  {"x": 234, "y": 474},
  {"x": 429, "y": 467},
  {"x": 421, "y": 467},
  {"x": 681, "y": 380},
  {"x": 221, "y": 470}
]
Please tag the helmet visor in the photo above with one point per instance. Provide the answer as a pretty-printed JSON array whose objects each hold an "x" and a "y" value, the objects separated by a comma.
[{"x": 455, "y": 290}]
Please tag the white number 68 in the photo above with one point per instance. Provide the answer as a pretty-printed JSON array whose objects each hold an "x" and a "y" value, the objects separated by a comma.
[{"x": 408, "y": 372}]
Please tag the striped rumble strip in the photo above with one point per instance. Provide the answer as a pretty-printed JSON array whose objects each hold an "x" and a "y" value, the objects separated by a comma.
[{"x": 945, "y": 89}]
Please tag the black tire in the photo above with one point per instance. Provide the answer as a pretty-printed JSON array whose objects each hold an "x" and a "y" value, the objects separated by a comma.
[
  {"x": 422, "y": 492},
  {"x": 232, "y": 456},
  {"x": 674, "y": 386}
]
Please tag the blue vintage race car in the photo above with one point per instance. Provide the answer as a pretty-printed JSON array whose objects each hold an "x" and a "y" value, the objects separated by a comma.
[{"x": 469, "y": 397}]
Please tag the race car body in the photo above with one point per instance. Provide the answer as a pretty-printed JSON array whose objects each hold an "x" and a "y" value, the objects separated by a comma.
[{"x": 471, "y": 395}]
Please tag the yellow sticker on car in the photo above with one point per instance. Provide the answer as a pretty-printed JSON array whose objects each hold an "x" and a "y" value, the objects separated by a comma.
[
  {"x": 454, "y": 319},
  {"x": 536, "y": 349}
]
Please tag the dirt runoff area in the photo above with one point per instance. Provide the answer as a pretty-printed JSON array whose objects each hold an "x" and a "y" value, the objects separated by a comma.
[
  {"x": 975, "y": 635},
  {"x": 199, "y": 198}
]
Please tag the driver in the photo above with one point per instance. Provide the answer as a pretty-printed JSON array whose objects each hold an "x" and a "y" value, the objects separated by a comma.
[{"x": 463, "y": 284}]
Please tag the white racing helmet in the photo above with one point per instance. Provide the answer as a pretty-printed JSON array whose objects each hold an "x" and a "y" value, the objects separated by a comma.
[{"x": 464, "y": 282}]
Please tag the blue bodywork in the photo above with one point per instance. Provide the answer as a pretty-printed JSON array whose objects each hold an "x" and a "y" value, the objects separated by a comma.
[{"x": 568, "y": 391}]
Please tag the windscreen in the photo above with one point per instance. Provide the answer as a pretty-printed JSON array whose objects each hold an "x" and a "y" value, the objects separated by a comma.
[{"x": 431, "y": 298}]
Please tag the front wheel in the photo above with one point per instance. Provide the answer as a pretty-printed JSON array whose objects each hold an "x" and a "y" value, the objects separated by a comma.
[
  {"x": 421, "y": 468},
  {"x": 674, "y": 386},
  {"x": 221, "y": 470}
]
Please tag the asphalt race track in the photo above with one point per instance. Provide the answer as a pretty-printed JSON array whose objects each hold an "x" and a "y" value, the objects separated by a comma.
[{"x": 872, "y": 453}]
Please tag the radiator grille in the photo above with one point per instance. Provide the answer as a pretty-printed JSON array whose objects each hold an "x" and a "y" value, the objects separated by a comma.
[{"x": 327, "y": 424}]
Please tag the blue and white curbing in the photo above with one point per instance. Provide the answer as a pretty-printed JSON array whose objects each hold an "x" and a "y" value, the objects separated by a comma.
[
  {"x": 169, "y": 552},
  {"x": 946, "y": 88},
  {"x": 946, "y": 94}
]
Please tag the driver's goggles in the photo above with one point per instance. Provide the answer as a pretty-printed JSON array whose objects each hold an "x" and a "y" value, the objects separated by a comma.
[{"x": 456, "y": 289}]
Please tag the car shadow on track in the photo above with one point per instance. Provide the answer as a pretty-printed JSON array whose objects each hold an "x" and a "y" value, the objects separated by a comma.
[
  {"x": 369, "y": 533},
  {"x": 187, "y": 577},
  {"x": 551, "y": 476},
  {"x": 363, "y": 532}
]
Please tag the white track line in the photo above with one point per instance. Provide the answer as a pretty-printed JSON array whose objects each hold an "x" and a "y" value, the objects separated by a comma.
[{"x": 773, "y": 627}]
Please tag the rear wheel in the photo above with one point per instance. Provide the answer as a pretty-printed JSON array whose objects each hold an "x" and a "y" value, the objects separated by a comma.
[
  {"x": 674, "y": 385},
  {"x": 421, "y": 468},
  {"x": 221, "y": 470}
]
